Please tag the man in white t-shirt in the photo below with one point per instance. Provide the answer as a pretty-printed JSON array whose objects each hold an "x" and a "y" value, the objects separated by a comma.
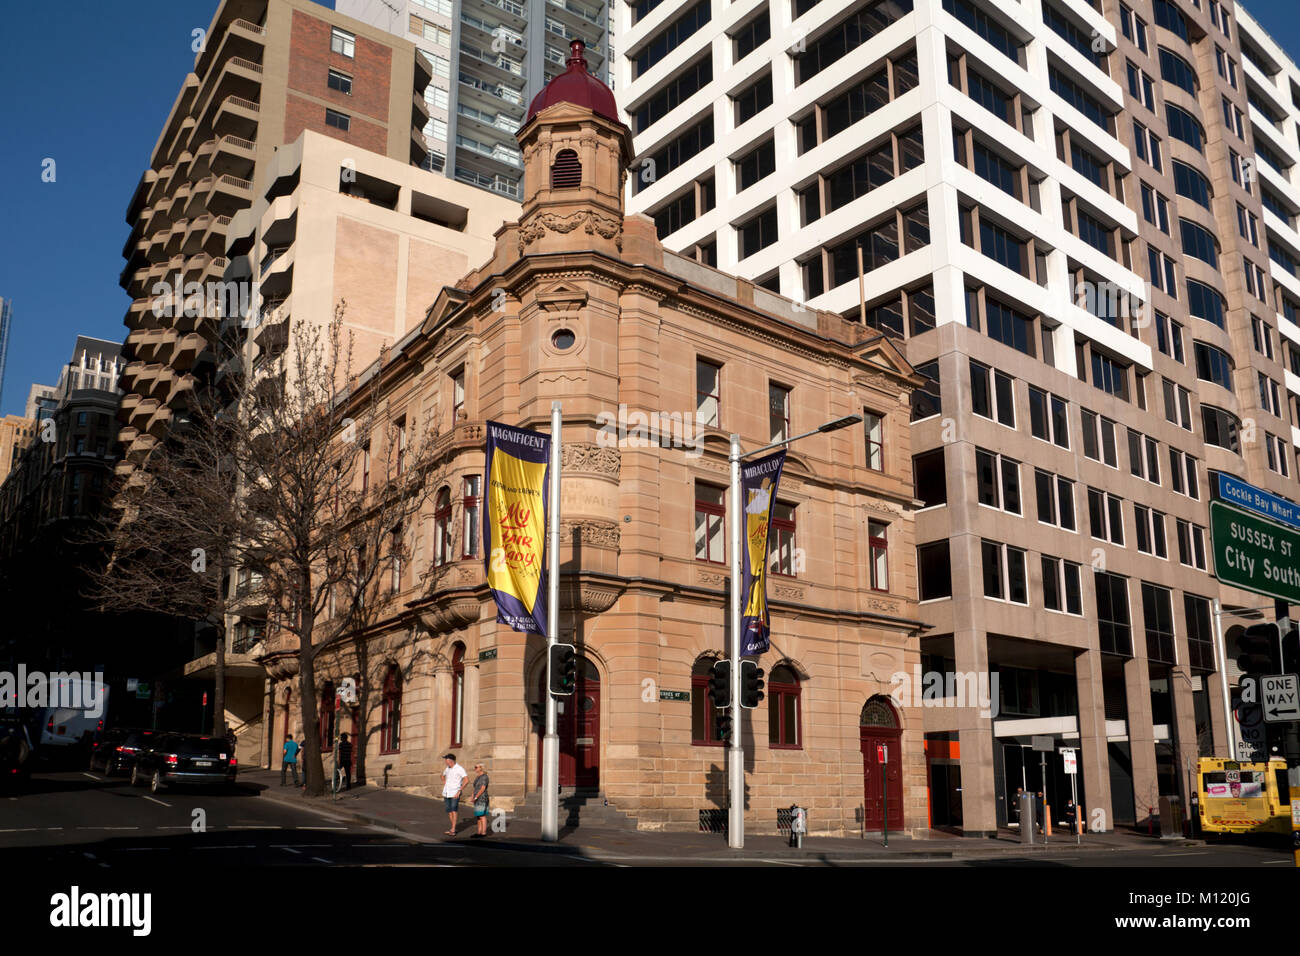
[{"x": 453, "y": 782}]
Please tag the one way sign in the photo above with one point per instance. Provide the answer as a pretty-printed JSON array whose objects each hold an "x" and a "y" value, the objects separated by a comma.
[{"x": 1279, "y": 694}]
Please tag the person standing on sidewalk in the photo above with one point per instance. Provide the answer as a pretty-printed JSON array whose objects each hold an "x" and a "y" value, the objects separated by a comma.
[
  {"x": 289, "y": 760},
  {"x": 345, "y": 762},
  {"x": 480, "y": 799},
  {"x": 453, "y": 782}
]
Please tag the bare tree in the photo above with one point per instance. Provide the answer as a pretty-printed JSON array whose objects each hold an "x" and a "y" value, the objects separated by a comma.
[
  {"x": 173, "y": 546},
  {"x": 330, "y": 484}
]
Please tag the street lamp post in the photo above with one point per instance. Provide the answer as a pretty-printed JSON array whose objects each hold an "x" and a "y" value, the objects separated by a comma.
[{"x": 735, "y": 507}]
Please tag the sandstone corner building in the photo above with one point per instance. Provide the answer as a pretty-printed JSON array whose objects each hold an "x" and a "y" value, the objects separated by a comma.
[{"x": 656, "y": 358}]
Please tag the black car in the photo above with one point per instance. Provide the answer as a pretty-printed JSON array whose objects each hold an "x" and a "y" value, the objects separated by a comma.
[
  {"x": 15, "y": 752},
  {"x": 185, "y": 759},
  {"x": 116, "y": 750}
]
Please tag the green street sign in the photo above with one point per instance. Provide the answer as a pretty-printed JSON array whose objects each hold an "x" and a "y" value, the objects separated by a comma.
[
  {"x": 489, "y": 655},
  {"x": 674, "y": 695},
  {"x": 1255, "y": 554}
]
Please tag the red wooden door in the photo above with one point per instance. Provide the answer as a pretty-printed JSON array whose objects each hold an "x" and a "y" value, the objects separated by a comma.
[
  {"x": 873, "y": 772},
  {"x": 578, "y": 726}
]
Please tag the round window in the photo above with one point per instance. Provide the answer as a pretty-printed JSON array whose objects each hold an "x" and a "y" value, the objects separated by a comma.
[
  {"x": 563, "y": 340},
  {"x": 588, "y": 704}
]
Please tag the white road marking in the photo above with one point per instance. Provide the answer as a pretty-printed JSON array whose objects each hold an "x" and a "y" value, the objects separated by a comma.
[
  {"x": 241, "y": 846},
  {"x": 321, "y": 859},
  {"x": 159, "y": 802},
  {"x": 290, "y": 849},
  {"x": 91, "y": 776},
  {"x": 320, "y": 828},
  {"x": 108, "y": 828},
  {"x": 1271, "y": 862},
  {"x": 20, "y": 830},
  {"x": 249, "y": 826}
]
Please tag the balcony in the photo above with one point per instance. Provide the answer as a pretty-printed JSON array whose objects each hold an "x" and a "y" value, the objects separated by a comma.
[
  {"x": 187, "y": 348},
  {"x": 496, "y": 184},
  {"x": 574, "y": 12},
  {"x": 182, "y": 383},
  {"x": 277, "y": 273},
  {"x": 214, "y": 236},
  {"x": 491, "y": 65},
  {"x": 233, "y": 156},
  {"x": 482, "y": 31},
  {"x": 237, "y": 117},
  {"x": 159, "y": 422},
  {"x": 138, "y": 451},
  {"x": 494, "y": 96},
  {"x": 229, "y": 194},
  {"x": 201, "y": 167},
  {"x": 142, "y": 412},
  {"x": 515, "y": 13},
  {"x": 194, "y": 229},
  {"x": 500, "y": 154},
  {"x": 174, "y": 238}
]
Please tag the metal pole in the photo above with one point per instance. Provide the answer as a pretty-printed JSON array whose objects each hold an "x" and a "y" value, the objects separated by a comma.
[
  {"x": 551, "y": 741},
  {"x": 884, "y": 795},
  {"x": 1042, "y": 772},
  {"x": 1223, "y": 679},
  {"x": 1074, "y": 798},
  {"x": 736, "y": 752}
]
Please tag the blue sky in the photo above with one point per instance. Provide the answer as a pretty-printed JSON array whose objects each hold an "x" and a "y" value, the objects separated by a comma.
[
  {"x": 88, "y": 84},
  {"x": 89, "y": 87}
]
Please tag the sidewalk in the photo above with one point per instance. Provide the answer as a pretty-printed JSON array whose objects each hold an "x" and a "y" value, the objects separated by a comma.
[{"x": 425, "y": 820}]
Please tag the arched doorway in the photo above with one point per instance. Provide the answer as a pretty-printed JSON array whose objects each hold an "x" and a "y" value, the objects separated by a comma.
[
  {"x": 879, "y": 727},
  {"x": 578, "y": 725}
]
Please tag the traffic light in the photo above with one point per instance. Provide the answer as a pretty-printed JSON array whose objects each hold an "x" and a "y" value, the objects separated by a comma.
[
  {"x": 1257, "y": 649},
  {"x": 720, "y": 685},
  {"x": 724, "y": 725},
  {"x": 1290, "y": 647},
  {"x": 564, "y": 669},
  {"x": 751, "y": 684}
]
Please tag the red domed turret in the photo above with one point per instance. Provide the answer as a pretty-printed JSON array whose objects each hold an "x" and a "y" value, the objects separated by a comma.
[{"x": 575, "y": 85}]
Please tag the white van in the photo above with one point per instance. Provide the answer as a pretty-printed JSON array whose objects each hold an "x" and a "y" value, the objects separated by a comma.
[{"x": 66, "y": 726}]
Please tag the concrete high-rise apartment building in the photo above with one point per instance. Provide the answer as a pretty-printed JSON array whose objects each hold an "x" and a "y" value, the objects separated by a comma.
[
  {"x": 490, "y": 58},
  {"x": 268, "y": 70},
  {"x": 1079, "y": 219}
]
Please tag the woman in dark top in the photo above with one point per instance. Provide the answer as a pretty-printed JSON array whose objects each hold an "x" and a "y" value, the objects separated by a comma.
[{"x": 480, "y": 799}]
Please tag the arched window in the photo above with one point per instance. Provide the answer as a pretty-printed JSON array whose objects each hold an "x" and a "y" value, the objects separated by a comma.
[
  {"x": 442, "y": 527},
  {"x": 878, "y": 712},
  {"x": 784, "y": 730},
  {"x": 390, "y": 738},
  {"x": 704, "y": 717},
  {"x": 458, "y": 695},
  {"x": 326, "y": 718},
  {"x": 566, "y": 171}
]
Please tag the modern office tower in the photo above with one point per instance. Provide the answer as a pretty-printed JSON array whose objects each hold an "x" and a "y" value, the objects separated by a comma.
[
  {"x": 490, "y": 58},
  {"x": 6, "y": 319},
  {"x": 41, "y": 402},
  {"x": 268, "y": 70},
  {"x": 1079, "y": 219}
]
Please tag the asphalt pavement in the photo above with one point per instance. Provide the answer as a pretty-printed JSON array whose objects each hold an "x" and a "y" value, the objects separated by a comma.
[{"x": 93, "y": 819}]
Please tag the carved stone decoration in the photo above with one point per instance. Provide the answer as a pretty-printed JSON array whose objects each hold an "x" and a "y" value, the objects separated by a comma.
[
  {"x": 788, "y": 592},
  {"x": 281, "y": 667},
  {"x": 600, "y": 534},
  {"x": 590, "y": 458},
  {"x": 711, "y": 578},
  {"x": 537, "y": 226},
  {"x": 596, "y": 600},
  {"x": 888, "y": 607},
  {"x": 450, "y": 614}
]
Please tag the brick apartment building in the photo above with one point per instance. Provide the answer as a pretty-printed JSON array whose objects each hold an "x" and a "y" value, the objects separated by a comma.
[{"x": 599, "y": 315}]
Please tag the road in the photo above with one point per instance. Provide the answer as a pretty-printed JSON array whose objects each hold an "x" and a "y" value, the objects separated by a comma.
[{"x": 91, "y": 819}]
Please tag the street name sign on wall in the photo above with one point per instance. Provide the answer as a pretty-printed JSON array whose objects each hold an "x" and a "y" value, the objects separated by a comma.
[
  {"x": 1255, "y": 554},
  {"x": 1261, "y": 502}
]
